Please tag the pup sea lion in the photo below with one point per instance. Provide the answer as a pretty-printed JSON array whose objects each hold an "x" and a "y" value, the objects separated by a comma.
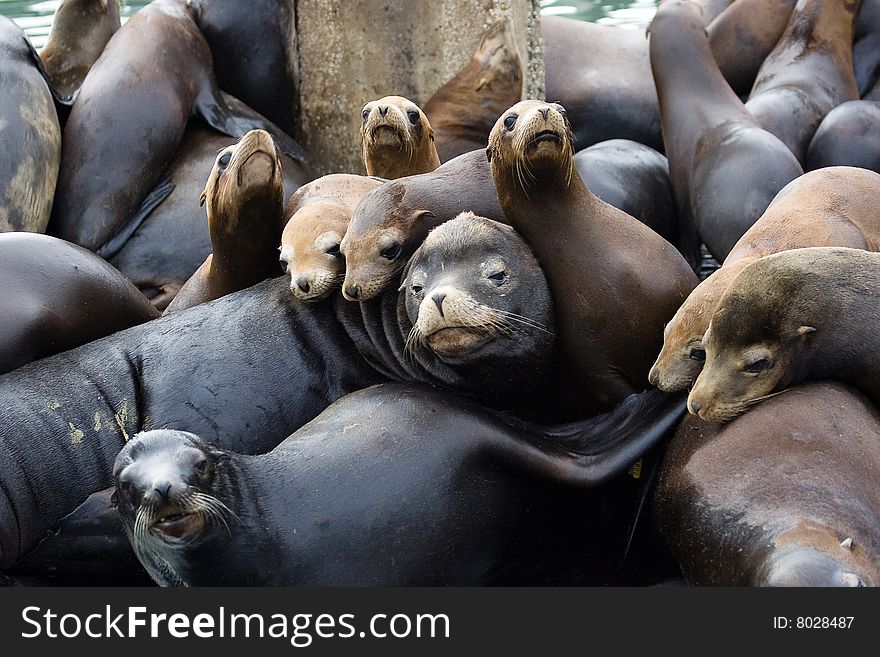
[
  {"x": 130, "y": 116},
  {"x": 809, "y": 72},
  {"x": 30, "y": 135},
  {"x": 390, "y": 222},
  {"x": 244, "y": 198},
  {"x": 58, "y": 296},
  {"x": 785, "y": 495},
  {"x": 580, "y": 240},
  {"x": 828, "y": 207},
  {"x": 463, "y": 111},
  {"x": 173, "y": 239},
  {"x": 849, "y": 135},
  {"x": 725, "y": 168},
  {"x": 396, "y": 485},
  {"x": 743, "y": 35},
  {"x": 80, "y": 30},
  {"x": 788, "y": 317},
  {"x": 397, "y": 139},
  {"x": 320, "y": 212}
]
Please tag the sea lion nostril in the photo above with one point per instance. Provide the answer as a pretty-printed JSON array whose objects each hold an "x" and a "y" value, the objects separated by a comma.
[
  {"x": 695, "y": 407},
  {"x": 163, "y": 488},
  {"x": 383, "y": 110},
  {"x": 438, "y": 300},
  {"x": 545, "y": 112},
  {"x": 353, "y": 291},
  {"x": 303, "y": 284}
]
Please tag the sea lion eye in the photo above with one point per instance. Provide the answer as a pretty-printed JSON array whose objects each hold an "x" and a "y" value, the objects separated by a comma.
[
  {"x": 413, "y": 117},
  {"x": 758, "y": 366},
  {"x": 510, "y": 121},
  {"x": 391, "y": 251},
  {"x": 498, "y": 277},
  {"x": 224, "y": 160},
  {"x": 416, "y": 289},
  {"x": 365, "y": 113},
  {"x": 284, "y": 265},
  {"x": 561, "y": 110},
  {"x": 698, "y": 355},
  {"x": 201, "y": 466},
  {"x": 333, "y": 251}
]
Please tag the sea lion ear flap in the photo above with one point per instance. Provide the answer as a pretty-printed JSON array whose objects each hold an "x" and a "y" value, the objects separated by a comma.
[
  {"x": 489, "y": 154},
  {"x": 203, "y": 197},
  {"x": 804, "y": 331}
]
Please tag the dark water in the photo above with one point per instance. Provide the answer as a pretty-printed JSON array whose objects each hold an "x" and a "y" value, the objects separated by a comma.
[{"x": 36, "y": 17}]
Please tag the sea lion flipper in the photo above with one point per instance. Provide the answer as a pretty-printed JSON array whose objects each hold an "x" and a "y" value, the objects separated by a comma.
[
  {"x": 227, "y": 114},
  {"x": 151, "y": 202}
]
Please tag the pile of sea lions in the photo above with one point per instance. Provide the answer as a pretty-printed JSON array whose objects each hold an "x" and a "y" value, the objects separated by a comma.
[{"x": 491, "y": 359}]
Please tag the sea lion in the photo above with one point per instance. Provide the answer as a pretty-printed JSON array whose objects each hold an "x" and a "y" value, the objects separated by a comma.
[
  {"x": 725, "y": 168},
  {"x": 866, "y": 46},
  {"x": 173, "y": 239},
  {"x": 130, "y": 116},
  {"x": 80, "y": 30},
  {"x": 253, "y": 45},
  {"x": 391, "y": 222},
  {"x": 634, "y": 178},
  {"x": 579, "y": 240},
  {"x": 743, "y": 35},
  {"x": 244, "y": 199},
  {"x": 464, "y": 496},
  {"x": 397, "y": 139},
  {"x": 785, "y": 495},
  {"x": 711, "y": 9},
  {"x": 788, "y": 317},
  {"x": 58, "y": 296},
  {"x": 809, "y": 72},
  {"x": 849, "y": 135},
  {"x": 319, "y": 212},
  {"x": 30, "y": 134},
  {"x": 463, "y": 111},
  {"x": 829, "y": 207},
  {"x": 602, "y": 76}
]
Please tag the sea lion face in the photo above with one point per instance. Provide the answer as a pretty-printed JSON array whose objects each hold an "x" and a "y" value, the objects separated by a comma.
[
  {"x": 681, "y": 359},
  {"x": 242, "y": 173},
  {"x": 392, "y": 126},
  {"x": 529, "y": 138},
  {"x": 163, "y": 490},
  {"x": 383, "y": 233},
  {"x": 474, "y": 289},
  {"x": 310, "y": 250}
]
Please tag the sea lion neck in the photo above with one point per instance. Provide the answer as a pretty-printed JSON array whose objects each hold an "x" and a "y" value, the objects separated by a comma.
[{"x": 824, "y": 24}]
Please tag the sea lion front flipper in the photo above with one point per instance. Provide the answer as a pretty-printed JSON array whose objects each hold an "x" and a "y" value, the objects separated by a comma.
[
  {"x": 227, "y": 114},
  {"x": 114, "y": 245}
]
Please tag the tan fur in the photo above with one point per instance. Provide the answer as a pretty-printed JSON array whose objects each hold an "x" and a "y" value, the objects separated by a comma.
[{"x": 394, "y": 146}]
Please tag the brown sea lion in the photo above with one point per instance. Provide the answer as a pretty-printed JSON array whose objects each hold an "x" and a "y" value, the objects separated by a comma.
[
  {"x": 30, "y": 135},
  {"x": 463, "y": 111},
  {"x": 711, "y": 9},
  {"x": 80, "y": 30},
  {"x": 849, "y": 135},
  {"x": 725, "y": 168},
  {"x": 397, "y": 139},
  {"x": 320, "y": 212},
  {"x": 58, "y": 296},
  {"x": 809, "y": 72},
  {"x": 829, "y": 207},
  {"x": 172, "y": 240},
  {"x": 244, "y": 197},
  {"x": 785, "y": 495},
  {"x": 743, "y": 35},
  {"x": 788, "y": 317},
  {"x": 390, "y": 222},
  {"x": 599, "y": 261},
  {"x": 130, "y": 116}
]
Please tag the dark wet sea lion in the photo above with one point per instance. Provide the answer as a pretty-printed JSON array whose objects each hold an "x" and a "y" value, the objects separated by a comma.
[
  {"x": 396, "y": 485},
  {"x": 743, "y": 35},
  {"x": 463, "y": 111},
  {"x": 809, "y": 72},
  {"x": 866, "y": 46},
  {"x": 789, "y": 317},
  {"x": 30, "y": 135},
  {"x": 830, "y": 207},
  {"x": 252, "y": 45},
  {"x": 391, "y": 222},
  {"x": 244, "y": 199},
  {"x": 602, "y": 76},
  {"x": 155, "y": 72},
  {"x": 634, "y": 178},
  {"x": 580, "y": 240},
  {"x": 785, "y": 495},
  {"x": 58, "y": 296},
  {"x": 849, "y": 135},
  {"x": 725, "y": 168},
  {"x": 397, "y": 139},
  {"x": 173, "y": 240},
  {"x": 80, "y": 30},
  {"x": 319, "y": 213}
]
